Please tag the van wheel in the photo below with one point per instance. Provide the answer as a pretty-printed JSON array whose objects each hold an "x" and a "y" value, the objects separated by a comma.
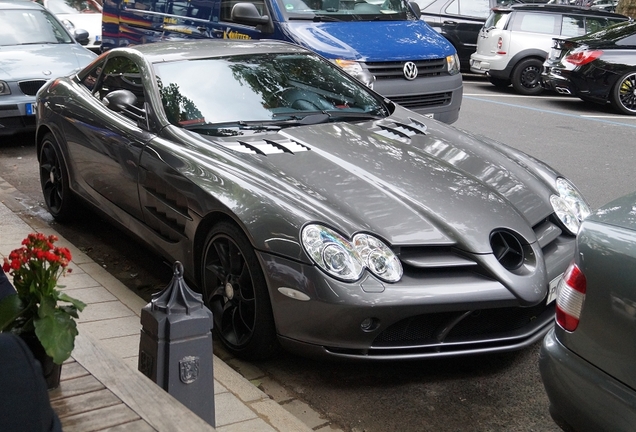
[
  {"x": 499, "y": 82},
  {"x": 623, "y": 96},
  {"x": 526, "y": 77}
]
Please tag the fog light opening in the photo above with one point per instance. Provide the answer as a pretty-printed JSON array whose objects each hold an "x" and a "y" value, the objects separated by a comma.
[{"x": 369, "y": 324}]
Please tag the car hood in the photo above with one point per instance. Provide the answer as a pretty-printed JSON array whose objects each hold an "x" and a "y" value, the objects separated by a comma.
[
  {"x": 42, "y": 61},
  {"x": 436, "y": 187},
  {"x": 392, "y": 41}
]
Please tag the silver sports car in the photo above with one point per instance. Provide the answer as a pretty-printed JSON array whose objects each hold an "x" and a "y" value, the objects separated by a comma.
[{"x": 311, "y": 212}]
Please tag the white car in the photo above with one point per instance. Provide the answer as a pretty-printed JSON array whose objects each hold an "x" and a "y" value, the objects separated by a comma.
[
  {"x": 80, "y": 14},
  {"x": 514, "y": 42}
]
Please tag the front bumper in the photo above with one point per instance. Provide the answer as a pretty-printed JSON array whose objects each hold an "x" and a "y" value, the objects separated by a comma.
[
  {"x": 17, "y": 113},
  {"x": 581, "y": 395},
  {"x": 437, "y": 314}
]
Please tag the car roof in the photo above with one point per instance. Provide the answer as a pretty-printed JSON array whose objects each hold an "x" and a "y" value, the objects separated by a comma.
[
  {"x": 19, "y": 4},
  {"x": 557, "y": 8},
  {"x": 166, "y": 51}
]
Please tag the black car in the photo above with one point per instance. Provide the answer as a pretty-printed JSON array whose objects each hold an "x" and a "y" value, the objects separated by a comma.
[{"x": 599, "y": 67}]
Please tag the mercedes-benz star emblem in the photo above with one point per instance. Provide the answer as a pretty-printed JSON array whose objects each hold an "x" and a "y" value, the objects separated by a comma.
[{"x": 410, "y": 71}]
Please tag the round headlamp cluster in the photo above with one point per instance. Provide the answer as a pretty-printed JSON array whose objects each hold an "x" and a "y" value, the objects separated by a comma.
[
  {"x": 569, "y": 206},
  {"x": 346, "y": 259}
]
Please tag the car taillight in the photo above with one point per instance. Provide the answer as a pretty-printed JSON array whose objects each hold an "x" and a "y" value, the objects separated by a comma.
[
  {"x": 570, "y": 298},
  {"x": 499, "y": 45},
  {"x": 583, "y": 57}
]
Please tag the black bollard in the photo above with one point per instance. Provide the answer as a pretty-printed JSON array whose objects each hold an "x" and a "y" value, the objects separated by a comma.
[{"x": 175, "y": 349}]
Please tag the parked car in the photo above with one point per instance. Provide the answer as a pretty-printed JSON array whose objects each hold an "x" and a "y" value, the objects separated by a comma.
[
  {"x": 81, "y": 14},
  {"x": 605, "y": 5},
  {"x": 514, "y": 42},
  {"x": 34, "y": 47},
  {"x": 588, "y": 360},
  {"x": 309, "y": 210},
  {"x": 459, "y": 21},
  {"x": 599, "y": 67},
  {"x": 382, "y": 43}
]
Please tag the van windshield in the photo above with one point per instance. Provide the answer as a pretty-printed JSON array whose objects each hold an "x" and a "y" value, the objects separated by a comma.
[{"x": 346, "y": 10}]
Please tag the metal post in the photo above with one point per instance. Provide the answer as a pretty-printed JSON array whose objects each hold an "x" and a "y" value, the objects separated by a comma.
[{"x": 175, "y": 349}]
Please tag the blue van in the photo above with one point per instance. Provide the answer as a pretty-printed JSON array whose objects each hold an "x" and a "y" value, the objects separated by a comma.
[{"x": 383, "y": 43}]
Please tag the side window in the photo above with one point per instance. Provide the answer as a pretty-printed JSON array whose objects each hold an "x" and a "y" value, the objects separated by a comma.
[
  {"x": 537, "y": 23},
  {"x": 120, "y": 73},
  {"x": 593, "y": 24},
  {"x": 474, "y": 8},
  {"x": 191, "y": 9},
  {"x": 452, "y": 8},
  {"x": 90, "y": 78},
  {"x": 573, "y": 26},
  {"x": 227, "y": 5}
]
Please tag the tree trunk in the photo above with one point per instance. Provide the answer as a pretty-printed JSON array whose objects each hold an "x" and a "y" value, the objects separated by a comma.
[{"x": 627, "y": 7}]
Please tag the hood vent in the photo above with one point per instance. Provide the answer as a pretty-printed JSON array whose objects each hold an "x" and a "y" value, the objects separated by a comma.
[
  {"x": 266, "y": 147},
  {"x": 402, "y": 131}
]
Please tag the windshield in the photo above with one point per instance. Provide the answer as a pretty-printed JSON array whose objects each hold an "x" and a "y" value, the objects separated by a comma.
[
  {"x": 346, "y": 10},
  {"x": 73, "y": 6},
  {"x": 496, "y": 19},
  {"x": 24, "y": 27},
  {"x": 268, "y": 89}
]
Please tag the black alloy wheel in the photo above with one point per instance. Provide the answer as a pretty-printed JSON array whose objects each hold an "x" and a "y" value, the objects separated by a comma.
[
  {"x": 234, "y": 289},
  {"x": 623, "y": 96},
  {"x": 54, "y": 180},
  {"x": 526, "y": 77}
]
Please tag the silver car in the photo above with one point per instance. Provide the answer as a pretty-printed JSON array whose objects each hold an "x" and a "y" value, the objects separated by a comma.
[
  {"x": 310, "y": 211},
  {"x": 34, "y": 47},
  {"x": 588, "y": 361}
]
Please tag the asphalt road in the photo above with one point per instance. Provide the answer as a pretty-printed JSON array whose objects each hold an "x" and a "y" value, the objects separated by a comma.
[{"x": 589, "y": 144}]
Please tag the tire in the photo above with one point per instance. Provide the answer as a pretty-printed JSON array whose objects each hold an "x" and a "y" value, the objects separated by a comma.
[
  {"x": 54, "y": 180},
  {"x": 526, "y": 77},
  {"x": 623, "y": 96},
  {"x": 499, "y": 82},
  {"x": 234, "y": 289}
]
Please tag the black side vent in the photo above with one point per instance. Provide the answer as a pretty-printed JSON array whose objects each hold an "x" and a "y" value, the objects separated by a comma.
[
  {"x": 400, "y": 130},
  {"x": 166, "y": 209}
]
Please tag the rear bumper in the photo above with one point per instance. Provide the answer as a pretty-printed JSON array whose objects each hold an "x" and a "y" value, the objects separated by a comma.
[{"x": 582, "y": 395}]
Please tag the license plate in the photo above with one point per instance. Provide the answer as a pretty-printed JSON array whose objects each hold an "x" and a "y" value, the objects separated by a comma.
[
  {"x": 552, "y": 289},
  {"x": 30, "y": 109}
]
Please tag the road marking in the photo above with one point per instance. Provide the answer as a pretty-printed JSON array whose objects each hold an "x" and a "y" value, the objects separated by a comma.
[
  {"x": 514, "y": 96},
  {"x": 544, "y": 111},
  {"x": 624, "y": 117}
]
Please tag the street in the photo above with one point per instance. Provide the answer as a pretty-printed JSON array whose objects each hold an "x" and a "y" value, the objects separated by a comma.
[{"x": 592, "y": 146}]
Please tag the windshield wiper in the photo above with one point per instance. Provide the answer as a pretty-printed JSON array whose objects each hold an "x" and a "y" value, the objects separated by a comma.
[{"x": 315, "y": 18}]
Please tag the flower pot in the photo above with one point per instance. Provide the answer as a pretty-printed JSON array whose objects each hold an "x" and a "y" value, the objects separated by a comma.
[{"x": 50, "y": 370}]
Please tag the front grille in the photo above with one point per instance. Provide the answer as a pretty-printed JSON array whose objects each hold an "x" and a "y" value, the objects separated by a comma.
[
  {"x": 393, "y": 70},
  {"x": 30, "y": 88},
  {"x": 423, "y": 100}
]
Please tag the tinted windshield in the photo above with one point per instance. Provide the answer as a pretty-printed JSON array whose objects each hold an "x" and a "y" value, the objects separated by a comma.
[
  {"x": 346, "y": 10},
  {"x": 24, "y": 27},
  {"x": 497, "y": 19},
  {"x": 260, "y": 87}
]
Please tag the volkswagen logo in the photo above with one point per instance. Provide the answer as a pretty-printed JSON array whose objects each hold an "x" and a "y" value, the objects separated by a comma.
[
  {"x": 410, "y": 70},
  {"x": 507, "y": 249}
]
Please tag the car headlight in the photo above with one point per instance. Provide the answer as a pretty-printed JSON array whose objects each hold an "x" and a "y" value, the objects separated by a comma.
[
  {"x": 4, "y": 88},
  {"x": 569, "y": 205},
  {"x": 355, "y": 69},
  {"x": 452, "y": 62},
  {"x": 347, "y": 260}
]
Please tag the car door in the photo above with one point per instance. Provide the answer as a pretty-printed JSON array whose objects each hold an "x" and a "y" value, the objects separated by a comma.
[
  {"x": 107, "y": 145},
  {"x": 461, "y": 24}
]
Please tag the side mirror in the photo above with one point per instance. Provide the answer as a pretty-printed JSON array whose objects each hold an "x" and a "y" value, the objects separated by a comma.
[
  {"x": 246, "y": 13},
  {"x": 81, "y": 36},
  {"x": 120, "y": 100},
  {"x": 416, "y": 9}
]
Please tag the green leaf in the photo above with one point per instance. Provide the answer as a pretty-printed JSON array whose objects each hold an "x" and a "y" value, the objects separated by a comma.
[
  {"x": 75, "y": 302},
  {"x": 10, "y": 309},
  {"x": 57, "y": 333}
]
